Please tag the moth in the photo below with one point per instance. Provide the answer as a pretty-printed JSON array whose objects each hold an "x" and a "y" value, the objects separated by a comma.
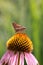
[{"x": 18, "y": 28}]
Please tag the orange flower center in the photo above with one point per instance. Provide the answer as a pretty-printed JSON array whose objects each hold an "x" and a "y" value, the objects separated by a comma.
[{"x": 20, "y": 42}]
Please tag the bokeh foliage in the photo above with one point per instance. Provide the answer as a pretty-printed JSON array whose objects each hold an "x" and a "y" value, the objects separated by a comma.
[{"x": 28, "y": 13}]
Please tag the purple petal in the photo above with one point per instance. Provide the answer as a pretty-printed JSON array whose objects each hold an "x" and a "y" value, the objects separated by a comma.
[
  {"x": 6, "y": 57},
  {"x": 13, "y": 59},
  {"x": 21, "y": 59},
  {"x": 0, "y": 63},
  {"x": 30, "y": 59},
  {"x": 16, "y": 63}
]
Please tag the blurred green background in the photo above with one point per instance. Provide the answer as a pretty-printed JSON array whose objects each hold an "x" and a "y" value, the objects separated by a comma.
[{"x": 28, "y": 13}]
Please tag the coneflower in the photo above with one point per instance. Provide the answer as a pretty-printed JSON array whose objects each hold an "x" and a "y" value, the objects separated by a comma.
[{"x": 19, "y": 48}]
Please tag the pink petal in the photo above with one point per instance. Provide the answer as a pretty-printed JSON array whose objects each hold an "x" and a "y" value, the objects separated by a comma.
[
  {"x": 17, "y": 59},
  {"x": 21, "y": 59},
  {"x": 13, "y": 59},
  {"x": 34, "y": 59},
  {"x": 30, "y": 59},
  {"x": 0, "y": 63},
  {"x": 5, "y": 57}
]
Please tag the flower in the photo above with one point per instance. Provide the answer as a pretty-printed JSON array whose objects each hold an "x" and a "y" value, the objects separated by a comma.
[{"x": 19, "y": 48}]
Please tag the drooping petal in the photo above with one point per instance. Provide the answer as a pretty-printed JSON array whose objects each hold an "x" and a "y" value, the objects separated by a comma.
[
  {"x": 30, "y": 59},
  {"x": 0, "y": 63},
  {"x": 16, "y": 62},
  {"x": 5, "y": 58},
  {"x": 34, "y": 59},
  {"x": 21, "y": 59},
  {"x": 13, "y": 59}
]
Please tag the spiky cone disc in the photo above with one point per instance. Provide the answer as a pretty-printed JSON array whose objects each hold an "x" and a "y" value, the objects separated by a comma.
[{"x": 20, "y": 42}]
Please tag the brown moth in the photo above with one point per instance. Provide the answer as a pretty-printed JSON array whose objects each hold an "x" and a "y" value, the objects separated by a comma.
[{"x": 18, "y": 28}]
